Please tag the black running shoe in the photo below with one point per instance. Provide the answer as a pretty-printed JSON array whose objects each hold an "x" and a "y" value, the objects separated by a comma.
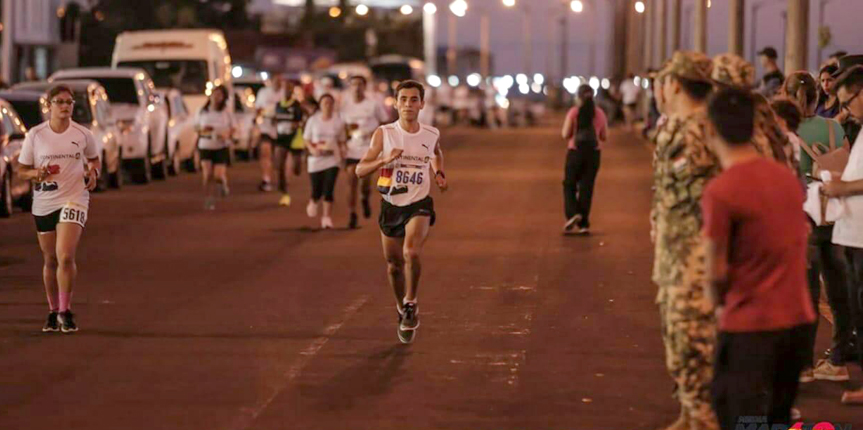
[
  {"x": 405, "y": 336},
  {"x": 354, "y": 221},
  {"x": 410, "y": 320},
  {"x": 67, "y": 322},
  {"x": 367, "y": 209},
  {"x": 51, "y": 324}
]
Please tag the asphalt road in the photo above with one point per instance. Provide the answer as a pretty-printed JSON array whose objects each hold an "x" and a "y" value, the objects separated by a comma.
[{"x": 250, "y": 318}]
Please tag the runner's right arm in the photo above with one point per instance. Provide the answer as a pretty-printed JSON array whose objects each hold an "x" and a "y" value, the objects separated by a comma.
[
  {"x": 26, "y": 161},
  {"x": 371, "y": 162},
  {"x": 566, "y": 132}
]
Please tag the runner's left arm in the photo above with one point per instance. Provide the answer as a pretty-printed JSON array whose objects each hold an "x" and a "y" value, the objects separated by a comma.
[
  {"x": 437, "y": 166},
  {"x": 94, "y": 164}
]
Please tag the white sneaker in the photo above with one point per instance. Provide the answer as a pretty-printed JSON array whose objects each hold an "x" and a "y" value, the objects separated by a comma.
[
  {"x": 312, "y": 209},
  {"x": 807, "y": 375},
  {"x": 327, "y": 223},
  {"x": 827, "y": 371}
]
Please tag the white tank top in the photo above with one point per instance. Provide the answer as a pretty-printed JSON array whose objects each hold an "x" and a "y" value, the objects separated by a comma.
[{"x": 407, "y": 180}]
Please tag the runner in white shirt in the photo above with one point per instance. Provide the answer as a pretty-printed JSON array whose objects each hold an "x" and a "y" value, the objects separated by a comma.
[
  {"x": 53, "y": 157},
  {"x": 215, "y": 125},
  {"x": 265, "y": 102},
  {"x": 325, "y": 138},
  {"x": 362, "y": 115},
  {"x": 408, "y": 155},
  {"x": 630, "y": 92}
]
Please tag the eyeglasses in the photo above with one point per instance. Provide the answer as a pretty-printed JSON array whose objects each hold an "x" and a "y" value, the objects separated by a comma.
[
  {"x": 61, "y": 102},
  {"x": 845, "y": 105}
]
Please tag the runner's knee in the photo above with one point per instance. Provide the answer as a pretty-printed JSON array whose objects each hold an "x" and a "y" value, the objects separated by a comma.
[
  {"x": 411, "y": 253},
  {"x": 395, "y": 265},
  {"x": 65, "y": 259},
  {"x": 50, "y": 260}
]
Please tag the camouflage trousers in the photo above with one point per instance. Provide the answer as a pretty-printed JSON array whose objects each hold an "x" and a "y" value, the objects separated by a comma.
[{"x": 689, "y": 356}]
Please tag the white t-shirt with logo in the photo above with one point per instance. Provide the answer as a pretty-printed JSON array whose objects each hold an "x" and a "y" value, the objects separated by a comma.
[
  {"x": 66, "y": 151},
  {"x": 220, "y": 122},
  {"x": 362, "y": 119},
  {"x": 328, "y": 134},
  {"x": 848, "y": 230},
  {"x": 407, "y": 179},
  {"x": 266, "y": 100}
]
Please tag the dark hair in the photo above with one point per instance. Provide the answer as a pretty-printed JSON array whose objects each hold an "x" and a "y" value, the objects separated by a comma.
[
  {"x": 789, "y": 112},
  {"x": 802, "y": 88},
  {"x": 588, "y": 108},
  {"x": 224, "y": 103},
  {"x": 830, "y": 68},
  {"x": 732, "y": 112},
  {"x": 57, "y": 89},
  {"x": 361, "y": 78},
  {"x": 326, "y": 96},
  {"x": 852, "y": 79},
  {"x": 696, "y": 89},
  {"x": 408, "y": 84}
]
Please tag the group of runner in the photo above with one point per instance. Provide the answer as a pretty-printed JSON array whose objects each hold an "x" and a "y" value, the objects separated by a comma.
[{"x": 61, "y": 158}]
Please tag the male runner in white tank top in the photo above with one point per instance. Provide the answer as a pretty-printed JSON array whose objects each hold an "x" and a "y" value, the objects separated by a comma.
[{"x": 409, "y": 155}]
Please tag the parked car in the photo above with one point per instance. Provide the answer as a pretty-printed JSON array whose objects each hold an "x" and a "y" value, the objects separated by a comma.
[
  {"x": 246, "y": 114},
  {"x": 141, "y": 116},
  {"x": 182, "y": 138},
  {"x": 12, "y": 188},
  {"x": 91, "y": 110}
]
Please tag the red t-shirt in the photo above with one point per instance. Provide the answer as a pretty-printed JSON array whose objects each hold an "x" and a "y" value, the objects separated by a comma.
[
  {"x": 757, "y": 209},
  {"x": 600, "y": 124}
]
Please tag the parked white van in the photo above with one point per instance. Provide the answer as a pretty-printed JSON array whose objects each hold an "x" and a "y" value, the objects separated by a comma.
[{"x": 192, "y": 61}]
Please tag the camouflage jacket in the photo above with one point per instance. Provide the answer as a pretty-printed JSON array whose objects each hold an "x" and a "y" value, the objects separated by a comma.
[
  {"x": 683, "y": 164},
  {"x": 769, "y": 139}
]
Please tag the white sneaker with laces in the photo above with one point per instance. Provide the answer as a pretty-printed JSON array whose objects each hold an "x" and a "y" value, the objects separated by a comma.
[
  {"x": 827, "y": 371},
  {"x": 312, "y": 209},
  {"x": 327, "y": 223}
]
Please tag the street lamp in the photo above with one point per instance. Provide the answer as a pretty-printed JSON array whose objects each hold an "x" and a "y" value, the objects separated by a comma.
[
  {"x": 458, "y": 8},
  {"x": 509, "y": 3},
  {"x": 362, "y": 10},
  {"x": 335, "y": 11},
  {"x": 407, "y": 9},
  {"x": 430, "y": 8},
  {"x": 576, "y": 5},
  {"x": 639, "y": 6}
]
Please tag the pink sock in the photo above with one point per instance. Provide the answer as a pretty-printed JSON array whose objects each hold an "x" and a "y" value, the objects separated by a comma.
[
  {"x": 53, "y": 302},
  {"x": 65, "y": 299}
]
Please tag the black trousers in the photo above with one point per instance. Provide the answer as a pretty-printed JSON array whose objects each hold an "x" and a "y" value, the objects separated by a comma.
[
  {"x": 582, "y": 165},
  {"x": 854, "y": 260},
  {"x": 827, "y": 261},
  {"x": 757, "y": 374},
  {"x": 324, "y": 184}
]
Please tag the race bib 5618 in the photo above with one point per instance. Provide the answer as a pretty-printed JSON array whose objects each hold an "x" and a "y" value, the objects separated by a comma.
[{"x": 74, "y": 213}]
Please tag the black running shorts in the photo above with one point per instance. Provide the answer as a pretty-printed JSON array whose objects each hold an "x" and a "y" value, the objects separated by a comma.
[
  {"x": 47, "y": 223},
  {"x": 215, "y": 156},
  {"x": 394, "y": 219}
]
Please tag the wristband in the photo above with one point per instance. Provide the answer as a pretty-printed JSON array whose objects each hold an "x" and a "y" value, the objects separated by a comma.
[{"x": 440, "y": 172}]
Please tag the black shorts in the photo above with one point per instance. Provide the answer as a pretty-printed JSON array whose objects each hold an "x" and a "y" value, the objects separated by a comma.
[
  {"x": 324, "y": 184},
  {"x": 284, "y": 141},
  {"x": 216, "y": 156},
  {"x": 47, "y": 223},
  {"x": 351, "y": 161},
  {"x": 394, "y": 219}
]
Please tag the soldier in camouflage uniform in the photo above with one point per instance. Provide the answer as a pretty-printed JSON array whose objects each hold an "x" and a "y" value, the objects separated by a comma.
[
  {"x": 683, "y": 165},
  {"x": 730, "y": 70}
]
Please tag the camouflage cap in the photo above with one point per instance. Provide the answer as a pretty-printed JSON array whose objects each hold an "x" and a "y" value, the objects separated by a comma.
[
  {"x": 693, "y": 66},
  {"x": 733, "y": 71}
]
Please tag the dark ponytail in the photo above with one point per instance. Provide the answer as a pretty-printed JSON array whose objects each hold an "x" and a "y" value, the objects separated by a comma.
[{"x": 587, "y": 110}]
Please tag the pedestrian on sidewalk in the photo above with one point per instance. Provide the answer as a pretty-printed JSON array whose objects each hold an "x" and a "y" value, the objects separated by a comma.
[
  {"x": 826, "y": 262},
  {"x": 683, "y": 166},
  {"x": 586, "y": 130},
  {"x": 756, "y": 242},
  {"x": 848, "y": 231},
  {"x": 215, "y": 125},
  {"x": 773, "y": 78}
]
